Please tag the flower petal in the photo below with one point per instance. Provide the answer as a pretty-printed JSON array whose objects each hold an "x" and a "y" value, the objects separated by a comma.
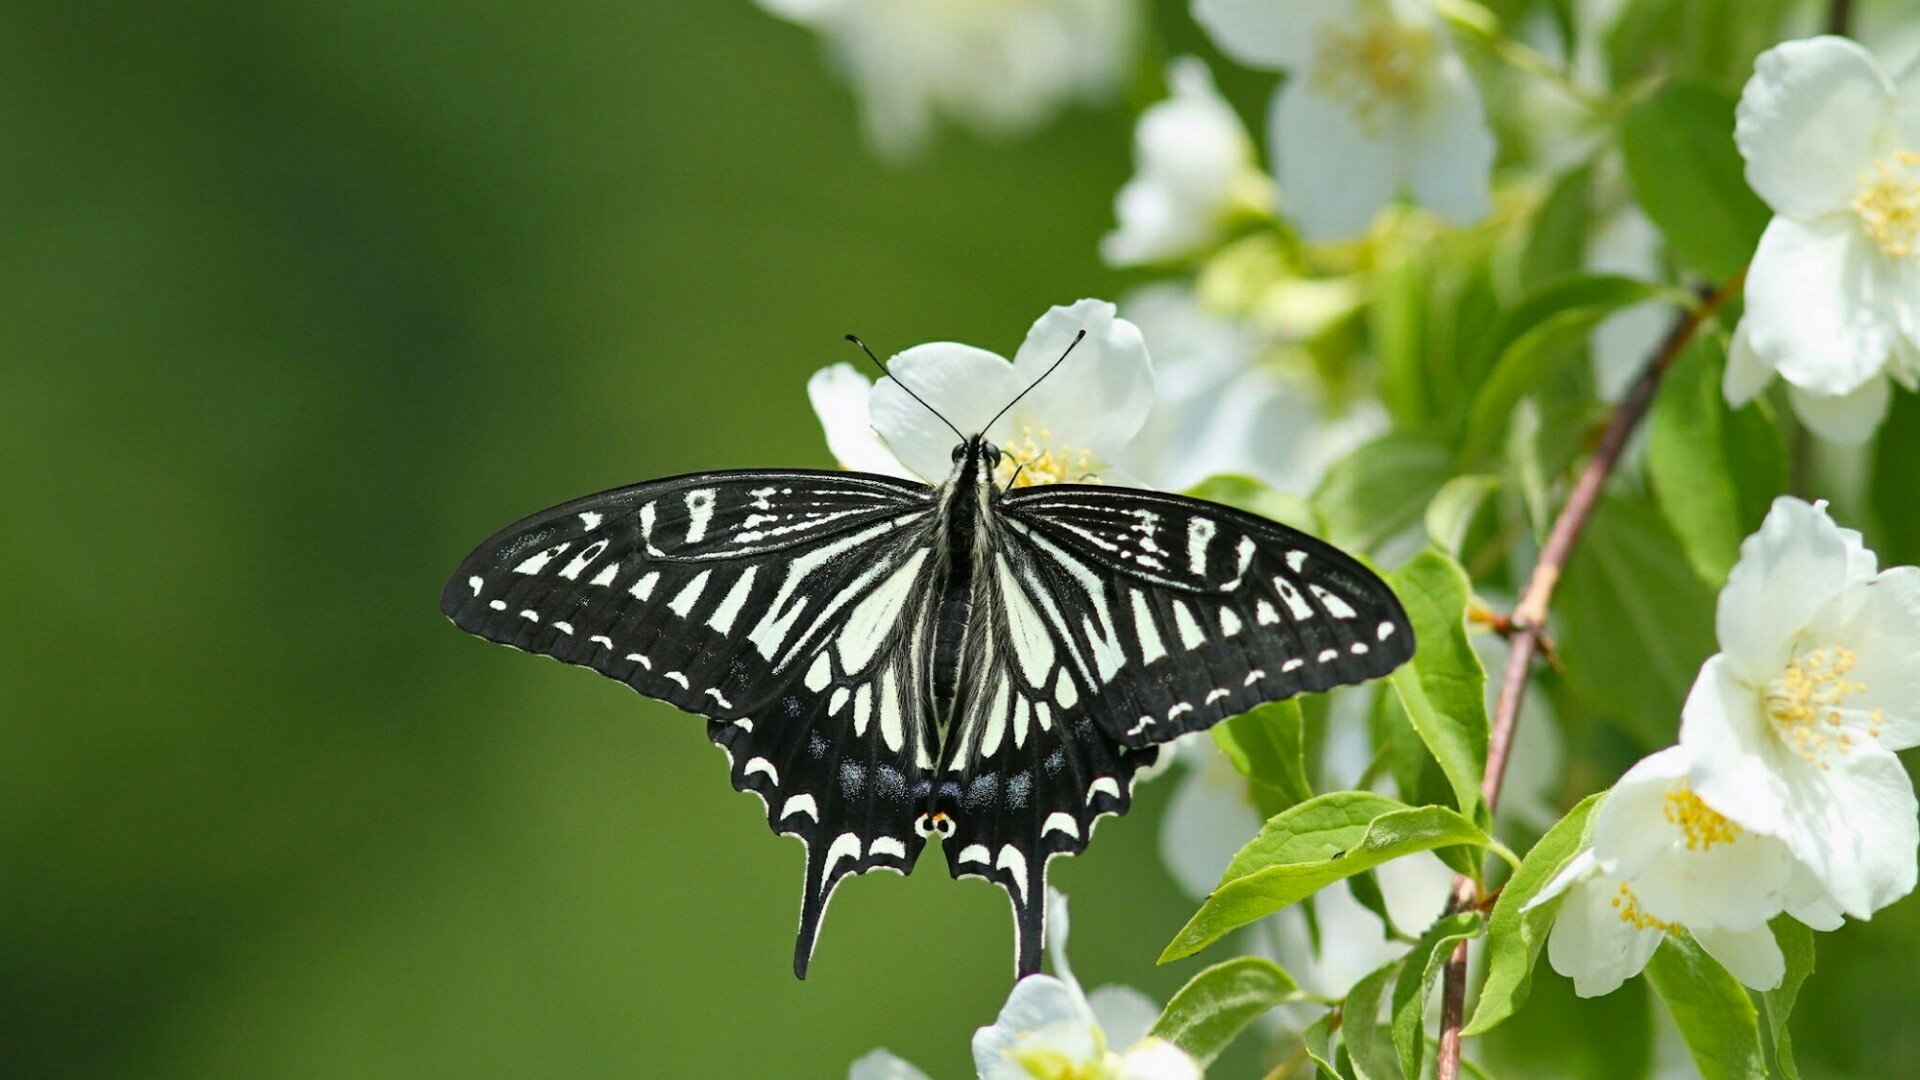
[
  {"x": 882, "y": 1065},
  {"x": 1592, "y": 945},
  {"x": 967, "y": 385},
  {"x": 1124, "y": 1014},
  {"x": 1906, "y": 111},
  {"x": 1334, "y": 173},
  {"x": 1808, "y": 901},
  {"x": 1157, "y": 1059},
  {"x": 1807, "y": 123},
  {"x": 839, "y": 396},
  {"x": 1752, "y": 956},
  {"x": 1190, "y": 152},
  {"x": 1844, "y": 419},
  {"x": 1583, "y": 865},
  {"x": 1040, "y": 1008},
  {"x": 1271, "y": 34},
  {"x": 1854, "y": 825},
  {"x": 1746, "y": 376},
  {"x": 1879, "y": 622},
  {"x": 1097, "y": 399},
  {"x": 1453, "y": 157},
  {"x": 1797, "y": 561},
  {"x": 1822, "y": 309}
]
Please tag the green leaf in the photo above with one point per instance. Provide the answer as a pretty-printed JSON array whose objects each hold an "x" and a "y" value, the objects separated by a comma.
[
  {"x": 1410, "y": 989},
  {"x": 1525, "y": 345},
  {"x": 1687, "y": 175},
  {"x": 1796, "y": 943},
  {"x": 1557, "y": 242},
  {"x": 1514, "y": 939},
  {"x": 1710, "y": 40},
  {"x": 1369, "y": 1041},
  {"x": 1318, "y": 1043},
  {"x": 1444, "y": 689},
  {"x": 1715, "y": 471},
  {"x": 1255, "y": 497},
  {"x": 1636, "y": 621},
  {"x": 1711, "y": 1009},
  {"x": 1268, "y": 747},
  {"x": 1450, "y": 515},
  {"x": 1268, "y": 875},
  {"x": 1215, "y": 1006},
  {"x": 1896, "y": 463},
  {"x": 1397, "y": 328},
  {"x": 1318, "y": 828},
  {"x": 1380, "y": 490}
]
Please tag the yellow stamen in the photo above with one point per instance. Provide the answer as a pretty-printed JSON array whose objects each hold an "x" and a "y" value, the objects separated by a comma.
[
  {"x": 1703, "y": 825},
  {"x": 1375, "y": 66},
  {"x": 1805, "y": 704},
  {"x": 1889, "y": 204},
  {"x": 1034, "y": 458},
  {"x": 1629, "y": 907}
]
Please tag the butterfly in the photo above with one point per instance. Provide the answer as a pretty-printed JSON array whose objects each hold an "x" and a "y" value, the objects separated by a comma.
[{"x": 886, "y": 662}]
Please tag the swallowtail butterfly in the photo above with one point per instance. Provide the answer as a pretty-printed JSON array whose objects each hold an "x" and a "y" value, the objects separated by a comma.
[{"x": 886, "y": 662}]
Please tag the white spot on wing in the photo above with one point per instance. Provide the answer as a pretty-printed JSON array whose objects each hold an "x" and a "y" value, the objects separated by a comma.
[
  {"x": 1067, "y": 694},
  {"x": 1296, "y": 560},
  {"x": 601, "y": 640},
  {"x": 497, "y": 605},
  {"x": 1264, "y": 614},
  {"x": 606, "y": 575},
  {"x": 1061, "y": 822},
  {"x": 589, "y": 520},
  {"x": 800, "y": 804},
  {"x": 1359, "y": 648},
  {"x": 1296, "y": 603},
  {"x": 1229, "y": 622},
  {"x": 538, "y": 561},
  {"x": 699, "y": 513},
  {"x": 1199, "y": 534},
  {"x": 844, "y": 846},
  {"x": 1215, "y": 695},
  {"x": 820, "y": 673},
  {"x": 642, "y": 589},
  {"x": 717, "y": 696},
  {"x": 862, "y": 708},
  {"x": 580, "y": 562},
  {"x": 1336, "y": 605},
  {"x": 974, "y": 853},
  {"x": 887, "y": 845},
  {"x": 762, "y": 765},
  {"x": 1191, "y": 636},
  {"x": 1151, "y": 648},
  {"x": 1386, "y": 631},
  {"x": 1254, "y": 676},
  {"x": 474, "y": 583},
  {"x": 1294, "y": 664},
  {"x": 867, "y": 624},
  {"x": 1014, "y": 862},
  {"x": 530, "y": 615},
  {"x": 890, "y": 721},
  {"x": 689, "y": 595},
  {"x": 679, "y": 678},
  {"x": 1105, "y": 783},
  {"x": 1327, "y": 654},
  {"x": 641, "y": 660},
  {"x": 563, "y": 627},
  {"x": 736, "y": 598}
]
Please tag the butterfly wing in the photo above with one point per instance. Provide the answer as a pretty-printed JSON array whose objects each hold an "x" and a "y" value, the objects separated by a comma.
[
  {"x": 790, "y": 608},
  {"x": 1109, "y": 620},
  {"x": 1026, "y": 771},
  {"x": 1175, "y": 614}
]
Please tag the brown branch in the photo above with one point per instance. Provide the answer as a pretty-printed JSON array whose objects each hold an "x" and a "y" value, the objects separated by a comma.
[{"x": 1529, "y": 621}]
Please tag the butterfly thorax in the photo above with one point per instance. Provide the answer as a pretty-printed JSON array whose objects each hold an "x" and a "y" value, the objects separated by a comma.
[{"x": 964, "y": 509}]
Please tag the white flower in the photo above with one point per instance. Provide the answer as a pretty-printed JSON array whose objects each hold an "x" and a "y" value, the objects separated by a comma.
[
  {"x": 1193, "y": 162},
  {"x": 1817, "y": 684},
  {"x": 1832, "y": 143},
  {"x": 1663, "y": 859},
  {"x": 1002, "y": 68},
  {"x": 1218, "y": 408},
  {"x": 884, "y": 1065},
  {"x": 1050, "y": 1029},
  {"x": 1376, "y": 103},
  {"x": 1074, "y": 427}
]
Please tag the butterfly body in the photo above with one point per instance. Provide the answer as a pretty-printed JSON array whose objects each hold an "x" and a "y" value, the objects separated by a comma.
[{"x": 886, "y": 663}]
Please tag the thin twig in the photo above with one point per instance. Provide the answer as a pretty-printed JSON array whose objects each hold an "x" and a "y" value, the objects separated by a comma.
[
  {"x": 1840, "y": 18},
  {"x": 1529, "y": 621}
]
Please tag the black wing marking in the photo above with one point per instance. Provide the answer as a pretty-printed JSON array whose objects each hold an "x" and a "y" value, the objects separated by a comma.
[
  {"x": 1174, "y": 614},
  {"x": 1026, "y": 772},
  {"x": 788, "y": 607}
]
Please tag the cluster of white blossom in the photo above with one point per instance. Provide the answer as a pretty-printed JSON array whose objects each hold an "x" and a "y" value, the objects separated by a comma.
[
  {"x": 1050, "y": 1029},
  {"x": 1784, "y": 794}
]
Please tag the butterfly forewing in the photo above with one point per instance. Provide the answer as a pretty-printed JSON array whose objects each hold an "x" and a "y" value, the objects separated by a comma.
[
  {"x": 1178, "y": 613},
  {"x": 788, "y": 607}
]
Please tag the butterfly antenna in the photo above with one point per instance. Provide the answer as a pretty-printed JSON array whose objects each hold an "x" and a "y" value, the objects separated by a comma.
[
  {"x": 1036, "y": 382},
  {"x": 885, "y": 374}
]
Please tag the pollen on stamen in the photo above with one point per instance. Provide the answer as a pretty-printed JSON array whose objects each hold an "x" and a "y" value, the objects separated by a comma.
[
  {"x": 1805, "y": 703},
  {"x": 1702, "y": 825},
  {"x": 1889, "y": 204}
]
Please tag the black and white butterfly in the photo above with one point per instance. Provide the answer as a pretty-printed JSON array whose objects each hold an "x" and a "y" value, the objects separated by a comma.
[{"x": 884, "y": 662}]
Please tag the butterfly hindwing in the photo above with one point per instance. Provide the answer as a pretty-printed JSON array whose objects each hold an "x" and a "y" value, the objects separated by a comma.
[
  {"x": 1027, "y": 772},
  {"x": 787, "y": 607},
  {"x": 1179, "y": 613}
]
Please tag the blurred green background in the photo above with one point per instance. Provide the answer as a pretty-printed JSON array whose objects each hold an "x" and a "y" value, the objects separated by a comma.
[{"x": 301, "y": 301}]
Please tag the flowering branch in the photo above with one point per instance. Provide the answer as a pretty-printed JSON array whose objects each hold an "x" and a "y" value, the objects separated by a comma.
[{"x": 1529, "y": 619}]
